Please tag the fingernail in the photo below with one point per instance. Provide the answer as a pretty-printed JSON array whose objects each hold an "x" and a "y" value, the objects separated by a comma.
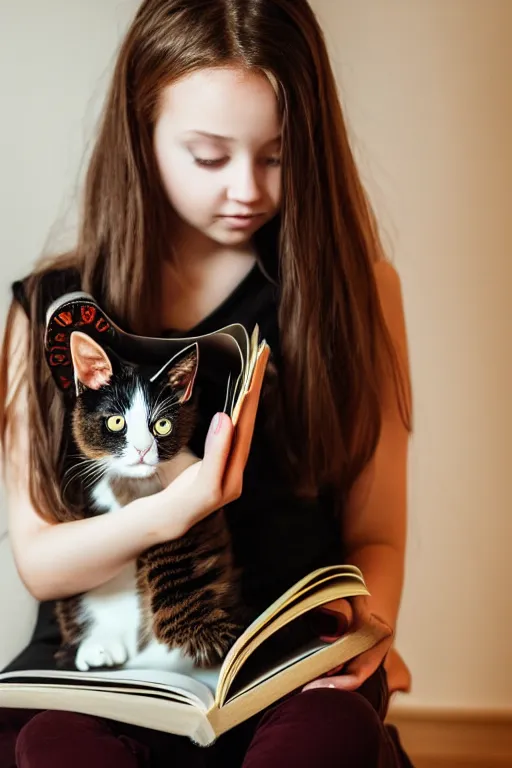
[{"x": 216, "y": 424}]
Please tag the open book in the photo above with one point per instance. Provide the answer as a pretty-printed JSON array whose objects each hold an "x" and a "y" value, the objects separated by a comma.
[{"x": 274, "y": 656}]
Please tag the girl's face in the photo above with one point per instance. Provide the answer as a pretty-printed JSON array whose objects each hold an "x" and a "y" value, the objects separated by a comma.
[{"x": 217, "y": 142}]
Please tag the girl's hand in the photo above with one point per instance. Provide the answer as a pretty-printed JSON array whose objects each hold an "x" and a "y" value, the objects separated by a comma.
[
  {"x": 360, "y": 668},
  {"x": 202, "y": 486},
  {"x": 170, "y": 470}
]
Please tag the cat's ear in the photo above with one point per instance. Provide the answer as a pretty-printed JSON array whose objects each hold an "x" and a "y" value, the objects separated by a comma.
[
  {"x": 91, "y": 364},
  {"x": 182, "y": 373}
]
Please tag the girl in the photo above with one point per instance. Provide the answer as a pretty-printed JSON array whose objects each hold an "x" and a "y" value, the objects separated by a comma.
[{"x": 222, "y": 188}]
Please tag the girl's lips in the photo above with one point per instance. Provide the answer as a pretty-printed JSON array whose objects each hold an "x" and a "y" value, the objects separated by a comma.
[{"x": 241, "y": 221}]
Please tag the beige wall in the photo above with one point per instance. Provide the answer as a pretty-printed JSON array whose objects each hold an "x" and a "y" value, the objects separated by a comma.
[{"x": 427, "y": 86}]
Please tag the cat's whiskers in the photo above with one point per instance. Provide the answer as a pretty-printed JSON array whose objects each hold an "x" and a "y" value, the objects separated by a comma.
[
  {"x": 77, "y": 465},
  {"x": 93, "y": 477},
  {"x": 86, "y": 470},
  {"x": 76, "y": 472},
  {"x": 163, "y": 406},
  {"x": 170, "y": 400},
  {"x": 94, "y": 474},
  {"x": 121, "y": 407},
  {"x": 159, "y": 397},
  {"x": 168, "y": 393}
]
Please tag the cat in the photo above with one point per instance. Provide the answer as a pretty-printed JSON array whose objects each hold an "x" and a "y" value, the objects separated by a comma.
[{"x": 178, "y": 595}]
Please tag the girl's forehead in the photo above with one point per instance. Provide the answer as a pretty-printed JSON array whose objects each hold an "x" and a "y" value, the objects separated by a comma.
[{"x": 228, "y": 102}]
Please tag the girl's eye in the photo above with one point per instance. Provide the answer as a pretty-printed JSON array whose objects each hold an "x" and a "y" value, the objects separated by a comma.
[
  {"x": 274, "y": 162},
  {"x": 115, "y": 423},
  {"x": 210, "y": 163},
  {"x": 162, "y": 427}
]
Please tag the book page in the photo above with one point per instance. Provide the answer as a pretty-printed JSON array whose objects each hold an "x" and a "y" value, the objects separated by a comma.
[
  {"x": 167, "y": 716},
  {"x": 256, "y": 674},
  {"x": 196, "y": 689},
  {"x": 134, "y": 690},
  {"x": 307, "y": 585},
  {"x": 269, "y": 636},
  {"x": 252, "y": 376}
]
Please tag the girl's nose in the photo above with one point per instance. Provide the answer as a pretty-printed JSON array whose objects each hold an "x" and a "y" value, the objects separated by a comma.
[{"x": 245, "y": 185}]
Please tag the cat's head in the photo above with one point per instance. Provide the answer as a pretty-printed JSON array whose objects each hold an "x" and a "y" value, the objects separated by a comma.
[{"x": 129, "y": 420}]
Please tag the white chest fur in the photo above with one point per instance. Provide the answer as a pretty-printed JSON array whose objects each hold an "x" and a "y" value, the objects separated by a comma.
[{"x": 103, "y": 497}]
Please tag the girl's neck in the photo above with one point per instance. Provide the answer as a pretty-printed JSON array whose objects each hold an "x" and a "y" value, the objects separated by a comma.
[{"x": 199, "y": 276}]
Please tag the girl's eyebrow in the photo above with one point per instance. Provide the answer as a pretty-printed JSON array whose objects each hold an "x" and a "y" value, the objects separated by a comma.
[{"x": 218, "y": 137}]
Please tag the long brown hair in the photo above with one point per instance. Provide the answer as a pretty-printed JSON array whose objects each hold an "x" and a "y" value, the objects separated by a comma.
[{"x": 334, "y": 341}]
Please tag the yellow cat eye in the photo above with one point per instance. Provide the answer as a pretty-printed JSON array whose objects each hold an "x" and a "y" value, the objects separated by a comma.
[
  {"x": 162, "y": 427},
  {"x": 115, "y": 423}
]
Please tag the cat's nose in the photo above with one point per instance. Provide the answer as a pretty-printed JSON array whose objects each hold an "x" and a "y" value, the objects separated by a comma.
[{"x": 142, "y": 451}]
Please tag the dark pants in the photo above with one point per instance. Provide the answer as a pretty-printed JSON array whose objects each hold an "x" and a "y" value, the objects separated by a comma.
[{"x": 324, "y": 727}]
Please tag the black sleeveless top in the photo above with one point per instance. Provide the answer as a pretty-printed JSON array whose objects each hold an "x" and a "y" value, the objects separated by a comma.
[{"x": 277, "y": 537}]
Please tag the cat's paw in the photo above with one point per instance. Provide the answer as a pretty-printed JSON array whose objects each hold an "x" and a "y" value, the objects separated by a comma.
[
  {"x": 209, "y": 643},
  {"x": 100, "y": 652}
]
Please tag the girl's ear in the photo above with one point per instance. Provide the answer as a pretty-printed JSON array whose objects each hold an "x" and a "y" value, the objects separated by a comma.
[
  {"x": 182, "y": 373},
  {"x": 91, "y": 364}
]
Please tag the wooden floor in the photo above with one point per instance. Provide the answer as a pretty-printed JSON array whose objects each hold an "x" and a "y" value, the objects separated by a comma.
[
  {"x": 439, "y": 762},
  {"x": 441, "y": 740}
]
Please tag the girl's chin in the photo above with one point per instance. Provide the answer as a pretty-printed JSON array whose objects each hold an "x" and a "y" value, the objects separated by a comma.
[{"x": 225, "y": 236}]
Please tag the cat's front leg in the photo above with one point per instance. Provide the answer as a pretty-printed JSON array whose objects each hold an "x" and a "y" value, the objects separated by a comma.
[
  {"x": 191, "y": 591},
  {"x": 100, "y": 651},
  {"x": 111, "y": 616},
  {"x": 209, "y": 642}
]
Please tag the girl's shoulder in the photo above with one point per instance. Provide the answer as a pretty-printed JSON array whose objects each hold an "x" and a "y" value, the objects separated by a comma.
[{"x": 37, "y": 290}]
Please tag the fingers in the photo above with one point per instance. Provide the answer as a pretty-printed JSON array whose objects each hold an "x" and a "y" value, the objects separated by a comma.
[
  {"x": 360, "y": 609},
  {"x": 342, "y": 611},
  {"x": 356, "y": 671},
  {"x": 328, "y": 625},
  {"x": 354, "y": 675},
  {"x": 341, "y": 682},
  {"x": 362, "y": 667},
  {"x": 335, "y": 671},
  {"x": 216, "y": 452},
  {"x": 341, "y": 604},
  {"x": 364, "y": 616},
  {"x": 168, "y": 471},
  {"x": 331, "y": 620}
]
